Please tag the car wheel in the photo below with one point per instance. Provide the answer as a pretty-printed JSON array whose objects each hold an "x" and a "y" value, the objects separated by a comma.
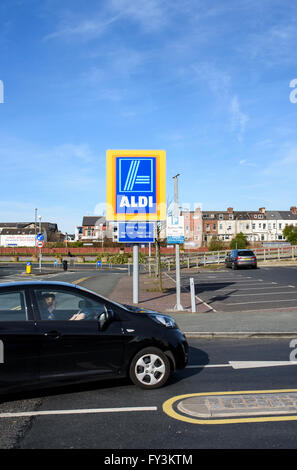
[
  {"x": 150, "y": 368},
  {"x": 234, "y": 266}
]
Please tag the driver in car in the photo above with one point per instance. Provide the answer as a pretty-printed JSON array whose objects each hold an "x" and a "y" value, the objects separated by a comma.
[{"x": 85, "y": 311}]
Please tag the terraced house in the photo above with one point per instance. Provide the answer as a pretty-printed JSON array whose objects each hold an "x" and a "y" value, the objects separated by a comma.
[{"x": 258, "y": 225}]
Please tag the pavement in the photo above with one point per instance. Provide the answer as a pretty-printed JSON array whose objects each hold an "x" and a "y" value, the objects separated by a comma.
[
  {"x": 281, "y": 322},
  {"x": 278, "y": 322}
]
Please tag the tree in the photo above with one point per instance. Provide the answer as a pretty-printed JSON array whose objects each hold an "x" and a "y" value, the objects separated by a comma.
[
  {"x": 240, "y": 241},
  {"x": 290, "y": 234}
]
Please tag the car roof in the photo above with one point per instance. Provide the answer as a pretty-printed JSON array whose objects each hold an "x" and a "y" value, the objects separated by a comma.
[
  {"x": 37, "y": 283},
  {"x": 243, "y": 249}
]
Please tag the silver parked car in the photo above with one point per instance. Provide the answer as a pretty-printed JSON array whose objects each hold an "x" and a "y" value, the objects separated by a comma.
[{"x": 238, "y": 258}]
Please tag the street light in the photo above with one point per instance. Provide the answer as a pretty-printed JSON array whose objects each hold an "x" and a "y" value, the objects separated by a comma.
[
  {"x": 35, "y": 228},
  {"x": 178, "y": 305}
]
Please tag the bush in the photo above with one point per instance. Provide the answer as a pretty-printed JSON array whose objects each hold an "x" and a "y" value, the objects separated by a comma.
[
  {"x": 290, "y": 233},
  {"x": 240, "y": 241},
  {"x": 216, "y": 245}
]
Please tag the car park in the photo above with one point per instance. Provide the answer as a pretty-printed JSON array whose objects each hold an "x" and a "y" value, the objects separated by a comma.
[
  {"x": 54, "y": 333},
  {"x": 241, "y": 257}
]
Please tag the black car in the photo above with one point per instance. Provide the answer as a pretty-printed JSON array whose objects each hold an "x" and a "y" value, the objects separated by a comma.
[
  {"x": 243, "y": 257},
  {"x": 55, "y": 333}
]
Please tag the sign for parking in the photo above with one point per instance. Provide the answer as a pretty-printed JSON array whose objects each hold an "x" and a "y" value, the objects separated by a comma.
[
  {"x": 136, "y": 232},
  {"x": 136, "y": 185}
]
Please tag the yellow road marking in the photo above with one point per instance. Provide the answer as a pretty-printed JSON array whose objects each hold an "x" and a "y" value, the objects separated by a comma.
[
  {"x": 168, "y": 409},
  {"x": 80, "y": 280}
]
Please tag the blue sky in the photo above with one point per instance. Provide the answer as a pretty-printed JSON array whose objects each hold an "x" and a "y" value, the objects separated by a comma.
[{"x": 205, "y": 80}]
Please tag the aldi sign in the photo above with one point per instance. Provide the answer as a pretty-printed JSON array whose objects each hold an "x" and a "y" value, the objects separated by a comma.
[{"x": 136, "y": 185}]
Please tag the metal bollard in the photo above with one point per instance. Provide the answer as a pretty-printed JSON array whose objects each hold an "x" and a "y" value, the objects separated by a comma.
[{"x": 193, "y": 298}]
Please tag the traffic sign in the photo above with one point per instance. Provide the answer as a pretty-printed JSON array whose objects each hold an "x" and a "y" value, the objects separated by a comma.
[
  {"x": 136, "y": 232},
  {"x": 40, "y": 244},
  {"x": 39, "y": 236},
  {"x": 175, "y": 230},
  {"x": 136, "y": 185}
]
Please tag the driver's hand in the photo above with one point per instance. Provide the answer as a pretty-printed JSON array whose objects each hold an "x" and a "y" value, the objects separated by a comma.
[{"x": 78, "y": 316}]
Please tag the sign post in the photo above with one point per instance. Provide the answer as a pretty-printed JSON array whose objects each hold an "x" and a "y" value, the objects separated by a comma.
[
  {"x": 136, "y": 196},
  {"x": 179, "y": 240},
  {"x": 39, "y": 238}
]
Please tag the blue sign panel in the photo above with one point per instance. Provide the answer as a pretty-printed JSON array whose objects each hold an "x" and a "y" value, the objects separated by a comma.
[
  {"x": 39, "y": 237},
  {"x": 175, "y": 240},
  {"x": 136, "y": 185},
  {"x": 136, "y": 232}
]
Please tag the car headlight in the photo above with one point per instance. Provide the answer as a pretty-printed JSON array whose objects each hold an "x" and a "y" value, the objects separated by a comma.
[{"x": 164, "y": 320}]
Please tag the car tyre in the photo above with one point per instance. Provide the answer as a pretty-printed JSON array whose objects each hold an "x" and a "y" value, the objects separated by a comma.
[
  {"x": 150, "y": 368},
  {"x": 234, "y": 266}
]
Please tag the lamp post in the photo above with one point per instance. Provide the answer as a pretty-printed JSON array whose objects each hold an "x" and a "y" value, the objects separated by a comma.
[
  {"x": 39, "y": 217},
  {"x": 35, "y": 228},
  {"x": 178, "y": 305}
]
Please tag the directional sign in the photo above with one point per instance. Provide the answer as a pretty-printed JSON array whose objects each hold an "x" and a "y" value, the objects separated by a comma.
[
  {"x": 136, "y": 232},
  {"x": 39, "y": 236},
  {"x": 136, "y": 185}
]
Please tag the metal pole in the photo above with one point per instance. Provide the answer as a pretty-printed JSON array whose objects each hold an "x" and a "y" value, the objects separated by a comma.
[
  {"x": 135, "y": 273},
  {"x": 35, "y": 228},
  {"x": 178, "y": 305},
  {"x": 40, "y": 248},
  {"x": 193, "y": 300}
]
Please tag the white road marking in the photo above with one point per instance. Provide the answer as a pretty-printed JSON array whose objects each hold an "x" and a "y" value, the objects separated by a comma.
[
  {"x": 261, "y": 301},
  {"x": 81, "y": 411},
  {"x": 261, "y": 293},
  {"x": 245, "y": 364}
]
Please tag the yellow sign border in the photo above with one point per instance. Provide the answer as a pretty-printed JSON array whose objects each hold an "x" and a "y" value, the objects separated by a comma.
[
  {"x": 111, "y": 213},
  {"x": 168, "y": 409}
]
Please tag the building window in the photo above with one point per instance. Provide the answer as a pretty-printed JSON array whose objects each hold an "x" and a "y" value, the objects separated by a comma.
[{"x": 253, "y": 226}]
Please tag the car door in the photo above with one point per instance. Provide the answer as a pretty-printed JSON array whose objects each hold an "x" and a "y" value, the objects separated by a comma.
[
  {"x": 19, "y": 343},
  {"x": 74, "y": 348}
]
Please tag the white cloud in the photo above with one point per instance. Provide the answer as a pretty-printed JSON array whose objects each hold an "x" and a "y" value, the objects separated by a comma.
[
  {"x": 238, "y": 118},
  {"x": 149, "y": 14},
  {"x": 83, "y": 29}
]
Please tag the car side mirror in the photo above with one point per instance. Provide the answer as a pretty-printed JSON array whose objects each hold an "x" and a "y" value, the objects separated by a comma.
[{"x": 105, "y": 318}]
